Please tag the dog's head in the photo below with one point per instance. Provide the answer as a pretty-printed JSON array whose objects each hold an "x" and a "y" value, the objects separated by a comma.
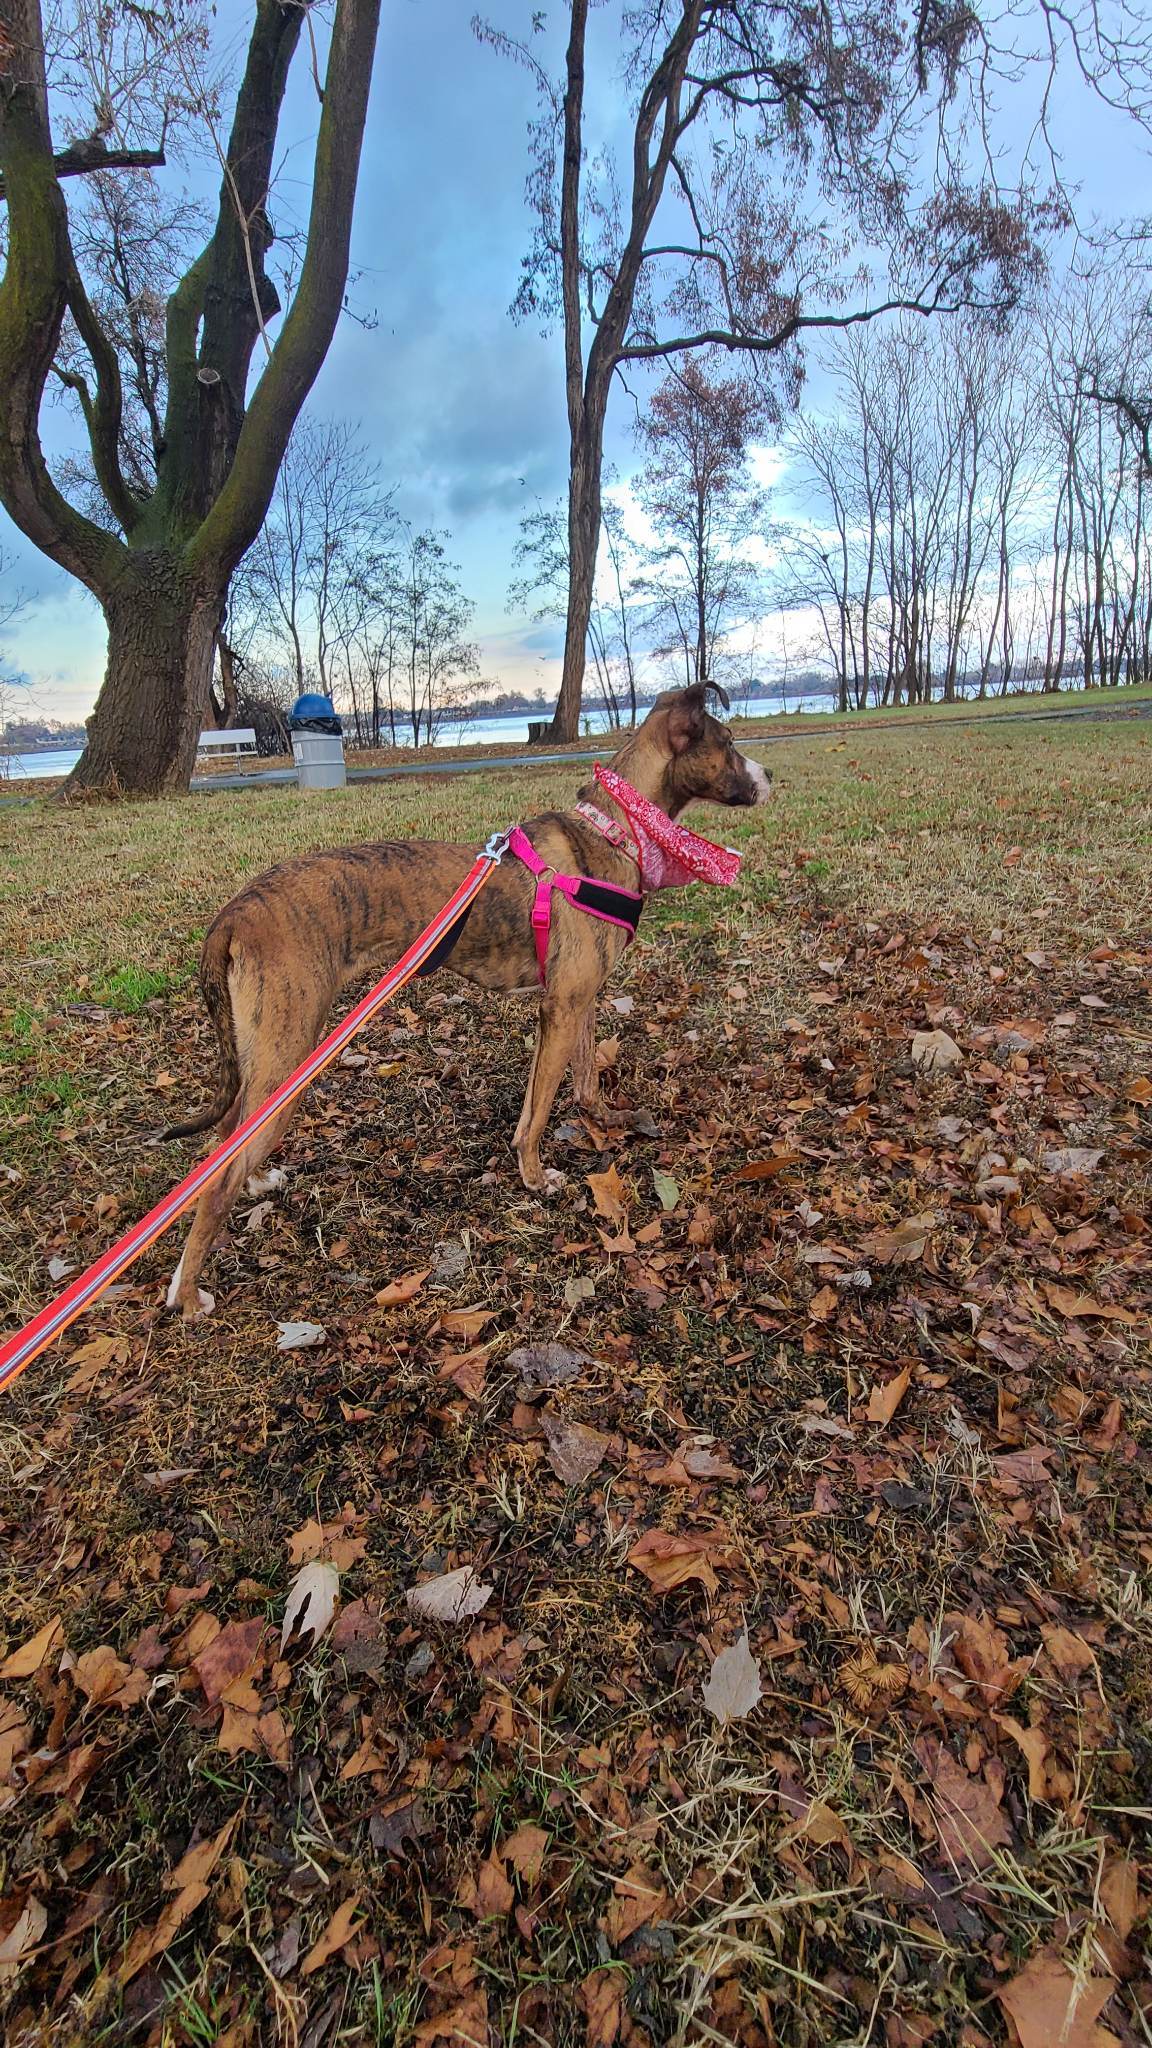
[{"x": 703, "y": 762}]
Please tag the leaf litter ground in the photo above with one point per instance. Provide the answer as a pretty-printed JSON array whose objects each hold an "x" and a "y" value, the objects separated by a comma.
[{"x": 844, "y": 1349}]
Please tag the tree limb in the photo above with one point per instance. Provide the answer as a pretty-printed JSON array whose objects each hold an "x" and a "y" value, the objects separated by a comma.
[{"x": 81, "y": 157}]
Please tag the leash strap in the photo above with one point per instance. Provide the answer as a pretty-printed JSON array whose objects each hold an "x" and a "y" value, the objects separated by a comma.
[
  {"x": 604, "y": 900},
  {"x": 20, "y": 1350}
]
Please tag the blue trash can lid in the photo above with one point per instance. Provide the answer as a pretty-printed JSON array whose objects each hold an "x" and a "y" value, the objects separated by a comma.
[{"x": 313, "y": 704}]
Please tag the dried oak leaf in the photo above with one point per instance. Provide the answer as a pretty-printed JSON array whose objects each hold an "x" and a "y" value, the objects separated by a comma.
[
  {"x": 609, "y": 1194},
  {"x": 574, "y": 1450},
  {"x": 464, "y": 2021},
  {"x": 22, "y": 1938},
  {"x": 1049, "y": 2007}
]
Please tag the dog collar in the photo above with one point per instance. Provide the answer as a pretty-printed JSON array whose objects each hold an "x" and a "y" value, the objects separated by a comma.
[
  {"x": 670, "y": 855},
  {"x": 610, "y": 829}
]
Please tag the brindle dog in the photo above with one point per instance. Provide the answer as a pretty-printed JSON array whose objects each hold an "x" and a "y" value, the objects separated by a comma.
[{"x": 275, "y": 958}]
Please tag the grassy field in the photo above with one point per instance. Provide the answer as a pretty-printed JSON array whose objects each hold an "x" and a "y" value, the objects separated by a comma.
[{"x": 861, "y": 1366}]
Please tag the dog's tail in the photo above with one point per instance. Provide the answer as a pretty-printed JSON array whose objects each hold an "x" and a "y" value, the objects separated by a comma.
[{"x": 218, "y": 1003}]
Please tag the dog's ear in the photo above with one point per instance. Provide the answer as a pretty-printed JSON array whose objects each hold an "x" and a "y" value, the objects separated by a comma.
[
  {"x": 686, "y": 718},
  {"x": 718, "y": 691}
]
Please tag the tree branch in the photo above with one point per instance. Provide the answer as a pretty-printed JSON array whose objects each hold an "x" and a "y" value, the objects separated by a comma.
[
  {"x": 81, "y": 157},
  {"x": 235, "y": 519}
]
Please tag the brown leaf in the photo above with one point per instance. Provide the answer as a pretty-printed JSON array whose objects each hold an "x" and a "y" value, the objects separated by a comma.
[
  {"x": 200, "y": 1859},
  {"x": 1051, "y": 2008},
  {"x": 336, "y": 1935},
  {"x": 466, "y": 1370},
  {"x": 935, "y": 1050},
  {"x": 981, "y": 1651},
  {"x": 640, "y": 1899},
  {"x": 525, "y": 1851},
  {"x": 547, "y": 1365},
  {"x": 232, "y": 1654},
  {"x": 1067, "y": 1302},
  {"x": 967, "y": 1813},
  {"x": 602, "y": 1996},
  {"x": 883, "y": 1401},
  {"x": 149, "y": 1942},
  {"x": 1120, "y": 1894},
  {"x": 398, "y": 1291},
  {"x": 668, "y": 1561},
  {"x": 574, "y": 1450},
  {"x": 464, "y": 2024},
  {"x": 106, "y": 1682},
  {"x": 608, "y": 1194},
  {"x": 332, "y": 1541},
  {"x": 1068, "y": 1651},
  {"x": 26, "y": 1661},
  {"x": 733, "y": 1688},
  {"x": 453, "y": 1596},
  {"x": 900, "y": 1246},
  {"x": 823, "y": 1305},
  {"x": 767, "y": 1169},
  {"x": 488, "y": 1895},
  {"x": 1034, "y": 1746},
  {"x": 466, "y": 1322},
  {"x": 22, "y": 1937}
]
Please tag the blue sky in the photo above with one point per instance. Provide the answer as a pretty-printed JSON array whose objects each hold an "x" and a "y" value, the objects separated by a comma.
[{"x": 464, "y": 409}]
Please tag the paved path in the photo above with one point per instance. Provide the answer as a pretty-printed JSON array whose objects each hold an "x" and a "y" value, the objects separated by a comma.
[{"x": 474, "y": 764}]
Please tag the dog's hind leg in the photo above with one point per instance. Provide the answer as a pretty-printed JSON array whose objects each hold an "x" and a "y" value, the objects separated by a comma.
[{"x": 585, "y": 1072}]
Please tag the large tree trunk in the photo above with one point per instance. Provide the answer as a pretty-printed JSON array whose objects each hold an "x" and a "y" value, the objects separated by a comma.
[
  {"x": 583, "y": 547},
  {"x": 157, "y": 684}
]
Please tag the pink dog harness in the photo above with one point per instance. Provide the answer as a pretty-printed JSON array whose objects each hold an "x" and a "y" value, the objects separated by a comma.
[
  {"x": 600, "y": 899},
  {"x": 668, "y": 855}
]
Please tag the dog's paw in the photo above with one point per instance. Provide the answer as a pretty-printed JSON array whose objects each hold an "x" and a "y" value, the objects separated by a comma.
[
  {"x": 552, "y": 1183},
  {"x": 259, "y": 1184},
  {"x": 204, "y": 1305}
]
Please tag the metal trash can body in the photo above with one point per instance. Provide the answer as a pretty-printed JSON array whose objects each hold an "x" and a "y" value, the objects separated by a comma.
[{"x": 317, "y": 743}]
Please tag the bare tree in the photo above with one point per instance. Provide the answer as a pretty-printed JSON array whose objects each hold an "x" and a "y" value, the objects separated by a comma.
[
  {"x": 738, "y": 105},
  {"x": 696, "y": 491},
  {"x": 161, "y": 565}
]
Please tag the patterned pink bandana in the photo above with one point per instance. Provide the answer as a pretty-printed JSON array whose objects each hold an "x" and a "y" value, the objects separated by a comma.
[{"x": 670, "y": 855}]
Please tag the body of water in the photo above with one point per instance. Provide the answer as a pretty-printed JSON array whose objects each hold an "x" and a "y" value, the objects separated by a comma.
[{"x": 477, "y": 731}]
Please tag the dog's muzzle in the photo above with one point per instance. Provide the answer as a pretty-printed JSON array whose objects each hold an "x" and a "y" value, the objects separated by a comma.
[{"x": 755, "y": 785}]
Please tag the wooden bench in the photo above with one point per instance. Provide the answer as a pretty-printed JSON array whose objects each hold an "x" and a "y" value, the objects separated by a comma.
[{"x": 240, "y": 740}]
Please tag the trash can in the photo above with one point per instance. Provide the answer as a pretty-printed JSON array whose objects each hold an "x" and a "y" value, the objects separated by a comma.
[{"x": 317, "y": 743}]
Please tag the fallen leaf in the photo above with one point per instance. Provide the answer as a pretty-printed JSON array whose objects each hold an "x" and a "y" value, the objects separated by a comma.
[
  {"x": 311, "y": 1601},
  {"x": 667, "y": 1191},
  {"x": 602, "y": 1996},
  {"x": 639, "y": 1900},
  {"x": 1051, "y": 2008},
  {"x": 300, "y": 1336},
  {"x": 525, "y": 1851},
  {"x": 900, "y": 1246},
  {"x": 26, "y": 1661},
  {"x": 1067, "y": 1302},
  {"x": 668, "y": 1561},
  {"x": 1120, "y": 1894},
  {"x": 466, "y": 1322},
  {"x": 608, "y": 1194},
  {"x": 23, "y": 1936},
  {"x": 1071, "y": 1159},
  {"x": 200, "y": 1859},
  {"x": 464, "y": 2024},
  {"x": 1068, "y": 1651},
  {"x": 332, "y": 1541},
  {"x": 823, "y": 1305},
  {"x": 968, "y": 1819},
  {"x": 547, "y": 1365},
  {"x": 454, "y": 1596},
  {"x": 767, "y": 1169},
  {"x": 981, "y": 1651},
  {"x": 733, "y": 1687},
  {"x": 935, "y": 1051},
  {"x": 339, "y": 1931},
  {"x": 488, "y": 1895},
  {"x": 230, "y": 1655},
  {"x": 574, "y": 1450},
  {"x": 883, "y": 1401},
  {"x": 1034, "y": 1746},
  {"x": 106, "y": 1682},
  {"x": 398, "y": 1291},
  {"x": 149, "y": 1942}
]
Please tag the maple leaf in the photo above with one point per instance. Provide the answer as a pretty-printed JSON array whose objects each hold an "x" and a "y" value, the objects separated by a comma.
[
  {"x": 733, "y": 1687},
  {"x": 608, "y": 1194},
  {"x": 311, "y": 1601}
]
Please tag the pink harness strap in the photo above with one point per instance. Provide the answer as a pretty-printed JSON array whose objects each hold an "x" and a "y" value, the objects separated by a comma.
[{"x": 570, "y": 886}]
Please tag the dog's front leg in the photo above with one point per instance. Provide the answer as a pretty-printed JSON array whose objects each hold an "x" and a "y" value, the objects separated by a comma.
[
  {"x": 557, "y": 1035},
  {"x": 585, "y": 1071}
]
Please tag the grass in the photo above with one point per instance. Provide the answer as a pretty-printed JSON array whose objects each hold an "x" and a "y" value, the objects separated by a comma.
[{"x": 992, "y": 878}]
